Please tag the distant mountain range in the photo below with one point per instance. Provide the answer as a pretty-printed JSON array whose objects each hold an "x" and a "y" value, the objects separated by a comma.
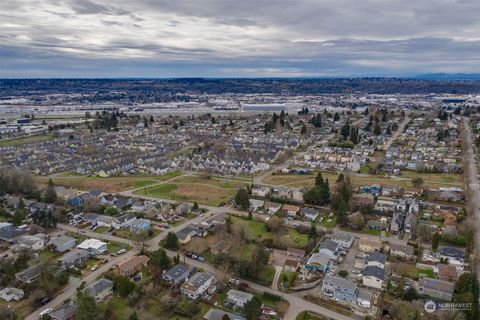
[{"x": 448, "y": 76}]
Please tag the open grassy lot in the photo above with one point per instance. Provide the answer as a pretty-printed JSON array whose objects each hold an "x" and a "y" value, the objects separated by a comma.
[
  {"x": 307, "y": 315},
  {"x": 146, "y": 235},
  {"x": 209, "y": 191},
  {"x": 113, "y": 247},
  {"x": 430, "y": 180},
  {"x": 255, "y": 230},
  {"x": 25, "y": 140}
]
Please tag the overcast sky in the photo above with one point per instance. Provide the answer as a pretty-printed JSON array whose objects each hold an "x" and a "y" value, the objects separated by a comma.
[{"x": 237, "y": 38}]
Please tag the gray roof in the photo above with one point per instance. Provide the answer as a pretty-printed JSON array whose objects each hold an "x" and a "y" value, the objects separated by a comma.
[
  {"x": 452, "y": 252},
  {"x": 176, "y": 272},
  {"x": 98, "y": 286},
  {"x": 376, "y": 256},
  {"x": 330, "y": 245},
  {"x": 217, "y": 314},
  {"x": 61, "y": 240},
  {"x": 65, "y": 312},
  {"x": 436, "y": 284},
  {"x": 374, "y": 271},
  {"x": 241, "y": 294},
  {"x": 200, "y": 278},
  {"x": 341, "y": 236},
  {"x": 340, "y": 282}
]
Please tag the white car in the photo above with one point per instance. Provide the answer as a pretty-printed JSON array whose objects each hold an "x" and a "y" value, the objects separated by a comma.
[{"x": 45, "y": 312}]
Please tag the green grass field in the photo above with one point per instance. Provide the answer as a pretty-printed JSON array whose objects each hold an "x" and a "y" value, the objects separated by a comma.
[
  {"x": 25, "y": 140},
  {"x": 255, "y": 230}
]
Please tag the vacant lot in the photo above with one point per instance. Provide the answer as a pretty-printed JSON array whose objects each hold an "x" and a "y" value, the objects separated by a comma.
[
  {"x": 255, "y": 230},
  {"x": 25, "y": 140},
  {"x": 209, "y": 191},
  {"x": 430, "y": 180}
]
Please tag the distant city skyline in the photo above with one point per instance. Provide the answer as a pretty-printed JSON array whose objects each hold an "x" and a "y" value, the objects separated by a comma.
[{"x": 214, "y": 38}]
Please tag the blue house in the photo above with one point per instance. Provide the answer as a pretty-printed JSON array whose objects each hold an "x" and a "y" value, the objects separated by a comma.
[
  {"x": 140, "y": 225},
  {"x": 75, "y": 201}
]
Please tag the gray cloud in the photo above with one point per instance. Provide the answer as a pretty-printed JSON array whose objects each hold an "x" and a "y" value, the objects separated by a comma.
[{"x": 238, "y": 38}]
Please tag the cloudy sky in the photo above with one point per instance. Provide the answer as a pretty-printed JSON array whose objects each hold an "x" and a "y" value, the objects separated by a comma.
[{"x": 237, "y": 38}]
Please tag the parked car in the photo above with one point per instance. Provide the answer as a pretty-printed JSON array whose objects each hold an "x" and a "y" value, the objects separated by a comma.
[
  {"x": 46, "y": 300},
  {"x": 122, "y": 251},
  {"x": 45, "y": 312}
]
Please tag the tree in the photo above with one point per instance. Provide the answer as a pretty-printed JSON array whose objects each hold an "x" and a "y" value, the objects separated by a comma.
[
  {"x": 3, "y": 187},
  {"x": 435, "y": 241},
  {"x": 195, "y": 206},
  {"x": 343, "y": 273},
  {"x": 259, "y": 259},
  {"x": 123, "y": 286},
  {"x": 312, "y": 233},
  {"x": 228, "y": 224},
  {"x": 410, "y": 294},
  {"x": 253, "y": 308},
  {"x": 377, "y": 130},
  {"x": 275, "y": 224},
  {"x": 417, "y": 182},
  {"x": 160, "y": 260},
  {"x": 336, "y": 117},
  {"x": 341, "y": 213},
  {"x": 50, "y": 194},
  {"x": 86, "y": 308},
  {"x": 319, "y": 179},
  {"x": 303, "y": 130},
  {"x": 171, "y": 242},
  {"x": 242, "y": 199},
  {"x": 133, "y": 316},
  {"x": 18, "y": 216},
  {"x": 45, "y": 219}
]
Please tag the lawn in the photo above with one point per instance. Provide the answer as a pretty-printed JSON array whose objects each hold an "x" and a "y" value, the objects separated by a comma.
[
  {"x": 266, "y": 276},
  {"x": 328, "y": 222},
  {"x": 25, "y": 140},
  {"x": 430, "y": 180},
  {"x": 114, "y": 247},
  {"x": 425, "y": 272},
  {"x": 101, "y": 229},
  {"x": 213, "y": 194},
  {"x": 142, "y": 236},
  {"x": 307, "y": 315},
  {"x": 255, "y": 230},
  {"x": 287, "y": 278},
  {"x": 373, "y": 232}
]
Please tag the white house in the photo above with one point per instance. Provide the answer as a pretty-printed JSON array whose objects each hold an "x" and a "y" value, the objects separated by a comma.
[
  {"x": 238, "y": 298},
  {"x": 343, "y": 239},
  {"x": 197, "y": 285},
  {"x": 374, "y": 277},
  {"x": 11, "y": 294},
  {"x": 34, "y": 243},
  {"x": 93, "y": 246},
  {"x": 255, "y": 204}
]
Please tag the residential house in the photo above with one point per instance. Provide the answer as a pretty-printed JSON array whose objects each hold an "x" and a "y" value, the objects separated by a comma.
[
  {"x": 272, "y": 207},
  {"x": 330, "y": 248},
  {"x": 310, "y": 214},
  {"x": 29, "y": 275},
  {"x": 447, "y": 272},
  {"x": 74, "y": 258},
  {"x": 259, "y": 191},
  {"x": 125, "y": 220},
  {"x": 377, "y": 225},
  {"x": 177, "y": 274},
  {"x": 373, "y": 276},
  {"x": 131, "y": 266},
  {"x": 217, "y": 314},
  {"x": 66, "y": 312},
  {"x": 295, "y": 253},
  {"x": 343, "y": 239},
  {"x": 183, "y": 209},
  {"x": 238, "y": 298},
  {"x": 34, "y": 243},
  {"x": 376, "y": 259},
  {"x": 99, "y": 289},
  {"x": 396, "y": 225},
  {"x": 107, "y": 221},
  {"x": 340, "y": 288},
  {"x": 318, "y": 261},
  {"x": 11, "y": 294},
  {"x": 455, "y": 256},
  {"x": 91, "y": 218},
  {"x": 255, "y": 204},
  {"x": 140, "y": 225},
  {"x": 364, "y": 298},
  {"x": 290, "y": 211},
  {"x": 291, "y": 265},
  {"x": 197, "y": 285},
  {"x": 401, "y": 250},
  {"x": 62, "y": 243},
  {"x": 94, "y": 246},
  {"x": 436, "y": 288},
  {"x": 186, "y": 234}
]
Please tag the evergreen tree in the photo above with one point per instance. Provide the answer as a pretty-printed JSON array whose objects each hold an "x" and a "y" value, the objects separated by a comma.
[
  {"x": 336, "y": 117},
  {"x": 242, "y": 199},
  {"x": 171, "y": 242},
  {"x": 50, "y": 193}
]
